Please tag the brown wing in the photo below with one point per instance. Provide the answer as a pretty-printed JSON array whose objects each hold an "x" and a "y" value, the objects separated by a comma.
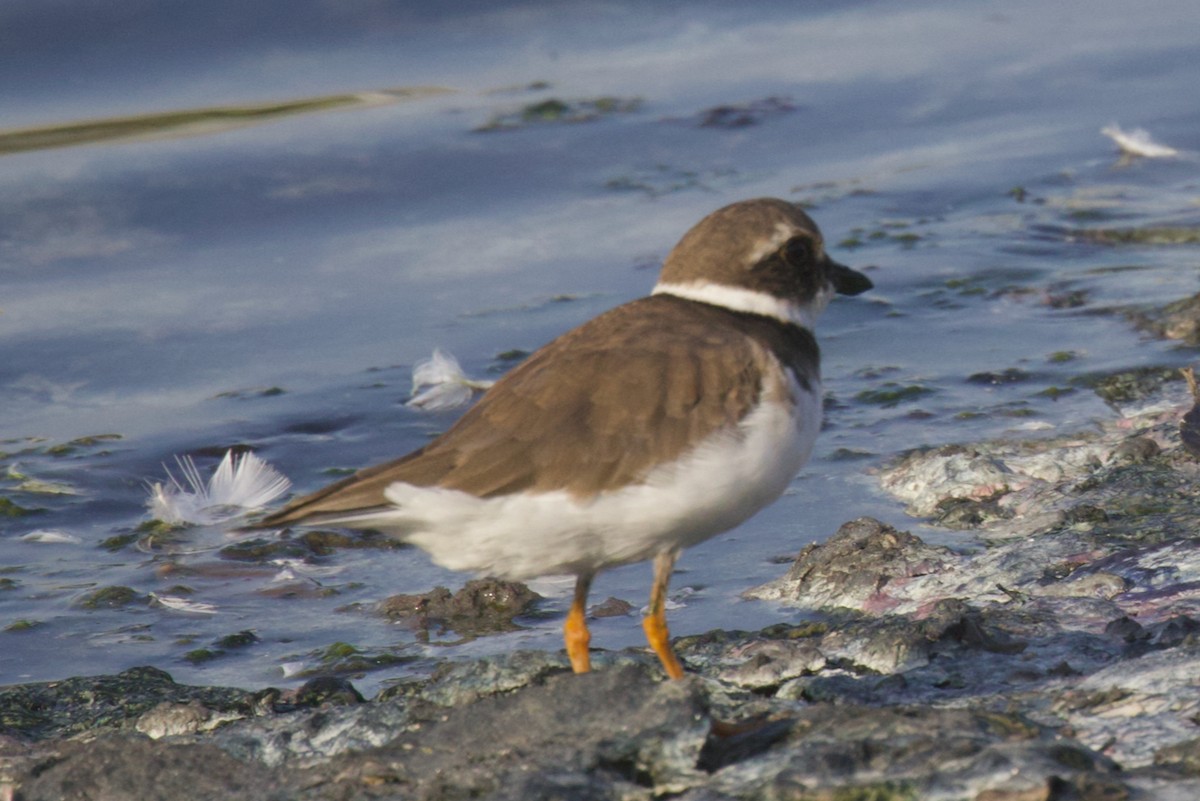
[{"x": 595, "y": 409}]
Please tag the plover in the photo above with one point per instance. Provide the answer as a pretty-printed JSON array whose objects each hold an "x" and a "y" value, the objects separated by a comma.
[{"x": 650, "y": 428}]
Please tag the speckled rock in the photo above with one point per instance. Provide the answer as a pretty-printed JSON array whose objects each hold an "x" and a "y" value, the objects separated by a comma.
[
  {"x": 482, "y": 606},
  {"x": 618, "y": 733},
  {"x": 854, "y": 566},
  {"x": 1054, "y": 658},
  {"x": 71, "y": 706}
]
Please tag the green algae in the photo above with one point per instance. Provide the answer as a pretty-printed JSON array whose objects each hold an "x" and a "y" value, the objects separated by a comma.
[
  {"x": 892, "y": 394},
  {"x": 10, "y": 509},
  {"x": 109, "y": 598},
  {"x": 194, "y": 122},
  {"x": 1152, "y": 235}
]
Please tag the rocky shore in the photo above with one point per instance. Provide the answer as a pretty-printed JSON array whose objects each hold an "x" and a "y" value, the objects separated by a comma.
[{"x": 1056, "y": 659}]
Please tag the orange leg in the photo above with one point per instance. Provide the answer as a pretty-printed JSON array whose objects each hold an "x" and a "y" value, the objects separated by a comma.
[
  {"x": 655, "y": 622},
  {"x": 575, "y": 630}
]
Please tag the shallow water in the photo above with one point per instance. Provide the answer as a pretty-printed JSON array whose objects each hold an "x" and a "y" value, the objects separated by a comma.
[{"x": 158, "y": 277}]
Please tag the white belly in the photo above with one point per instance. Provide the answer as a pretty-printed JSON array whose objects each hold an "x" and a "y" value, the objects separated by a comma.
[{"x": 716, "y": 486}]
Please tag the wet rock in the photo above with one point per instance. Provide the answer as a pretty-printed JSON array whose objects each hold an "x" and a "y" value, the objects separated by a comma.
[
  {"x": 956, "y": 472},
  {"x": 241, "y": 639},
  {"x": 614, "y": 730},
  {"x": 611, "y": 607},
  {"x": 330, "y": 731},
  {"x": 1134, "y": 450},
  {"x": 522, "y": 726},
  {"x": 1179, "y": 320},
  {"x": 1184, "y": 756},
  {"x": 264, "y": 549},
  {"x": 890, "y": 394},
  {"x": 172, "y": 718},
  {"x": 1130, "y": 386},
  {"x": 1036, "y": 484},
  {"x": 482, "y": 606},
  {"x": 556, "y": 111},
  {"x": 743, "y": 115},
  {"x": 321, "y": 542},
  {"x": 1062, "y": 643},
  {"x": 1098, "y": 550},
  {"x": 61, "y": 708},
  {"x": 970, "y": 512},
  {"x": 1010, "y": 375},
  {"x": 1127, "y": 629},
  {"x": 10, "y": 509},
  {"x": 857, "y": 567},
  {"x": 110, "y": 597},
  {"x": 124, "y": 766},
  {"x": 1144, "y": 705},
  {"x": 343, "y": 658},
  {"x": 915, "y": 752},
  {"x": 764, "y": 663},
  {"x": 326, "y": 690},
  {"x": 455, "y": 684},
  {"x": 1189, "y": 426},
  {"x": 1149, "y": 235}
]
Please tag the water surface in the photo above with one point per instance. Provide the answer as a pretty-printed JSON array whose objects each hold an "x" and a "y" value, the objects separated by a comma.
[{"x": 163, "y": 281}]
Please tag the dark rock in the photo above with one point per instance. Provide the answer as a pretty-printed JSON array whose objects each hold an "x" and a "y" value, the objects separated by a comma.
[
  {"x": 482, "y": 606},
  {"x": 593, "y": 734},
  {"x": 742, "y": 742},
  {"x": 554, "y": 110},
  {"x": 123, "y": 766},
  {"x": 1178, "y": 320},
  {"x": 110, "y": 597},
  {"x": 1189, "y": 426},
  {"x": 1178, "y": 630},
  {"x": 325, "y": 690},
  {"x": 1135, "y": 450},
  {"x": 1127, "y": 629},
  {"x": 1011, "y": 375},
  {"x": 171, "y": 718},
  {"x": 1183, "y": 757},
  {"x": 961, "y": 513},
  {"x": 1130, "y": 385},
  {"x": 321, "y": 542},
  {"x": 1189, "y": 431},
  {"x": 611, "y": 607},
  {"x": 263, "y": 549},
  {"x": 617, "y": 733},
  {"x": 744, "y": 114},
  {"x": 61, "y": 708},
  {"x": 1084, "y": 514},
  {"x": 971, "y": 630},
  {"x": 241, "y": 639}
]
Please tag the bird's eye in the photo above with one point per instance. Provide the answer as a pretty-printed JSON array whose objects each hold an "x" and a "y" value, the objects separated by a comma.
[{"x": 798, "y": 250}]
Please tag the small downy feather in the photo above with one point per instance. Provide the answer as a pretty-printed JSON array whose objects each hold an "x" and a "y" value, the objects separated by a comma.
[
  {"x": 1137, "y": 142},
  {"x": 183, "y": 604},
  {"x": 240, "y": 484},
  {"x": 439, "y": 383}
]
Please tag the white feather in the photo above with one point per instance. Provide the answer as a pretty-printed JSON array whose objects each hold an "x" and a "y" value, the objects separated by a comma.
[
  {"x": 439, "y": 383},
  {"x": 184, "y": 605},
  {"x": 50, "y": 536},
  {"x": 240, "y": 484},
  {"x": 1137, "y": 142}
]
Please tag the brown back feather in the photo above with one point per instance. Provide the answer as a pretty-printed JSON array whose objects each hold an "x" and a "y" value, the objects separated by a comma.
[{"x": 595, "y": 409}]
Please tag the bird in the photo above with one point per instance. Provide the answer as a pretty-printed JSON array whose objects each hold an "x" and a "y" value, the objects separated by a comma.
[{"x": 650, "y": 428}]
